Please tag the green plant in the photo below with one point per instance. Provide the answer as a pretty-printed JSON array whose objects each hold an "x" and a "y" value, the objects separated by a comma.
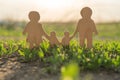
[{"x": 104, "y": 54}]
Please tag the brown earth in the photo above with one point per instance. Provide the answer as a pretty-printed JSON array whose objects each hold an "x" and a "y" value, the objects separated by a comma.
[{"x": 12, "y": 69}]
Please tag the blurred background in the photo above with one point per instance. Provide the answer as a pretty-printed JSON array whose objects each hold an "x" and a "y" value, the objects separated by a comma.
[{"x": 59, "y": 16}]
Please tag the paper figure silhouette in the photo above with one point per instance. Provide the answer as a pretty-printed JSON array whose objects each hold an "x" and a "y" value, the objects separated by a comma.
[
  {"x": 34, "y": 30},
  {"x": 86, "y": 27},
  {"x": 66, "y": 39},
  {"x": 53, "y": 39}
]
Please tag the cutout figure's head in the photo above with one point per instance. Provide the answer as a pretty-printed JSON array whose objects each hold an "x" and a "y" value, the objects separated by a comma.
[
  {"x": 34, "y": 16},
  {"x": 52, "y": 33},
  {"x": 66, "y": 33},
  {"x": 86, "y": 12}
]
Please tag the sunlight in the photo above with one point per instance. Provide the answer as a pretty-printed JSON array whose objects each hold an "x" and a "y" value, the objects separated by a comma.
[
  {"x": 53, "y": 4},
  {"x": 57, "y": 10}
]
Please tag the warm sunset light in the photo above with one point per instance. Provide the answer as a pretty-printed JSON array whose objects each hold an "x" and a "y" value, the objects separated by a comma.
[
  {"x": 59, "y": 39},
  {"x": 54, "y": 4},
  {"x": 60, "y": 10}
]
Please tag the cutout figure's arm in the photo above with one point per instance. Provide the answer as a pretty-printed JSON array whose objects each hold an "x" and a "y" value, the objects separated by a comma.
[
  {"x": 48, "y": 37},
  {"x": 72, "y": 36},
  {"x": 62, "y": 42},
  {"x": 44, "y": 33},
  {"x": 57, "y": 41},
  {"x": 94, "y": 29},
  {"x": 25, "y": 30},
  {"x": 75, "y": 31}
]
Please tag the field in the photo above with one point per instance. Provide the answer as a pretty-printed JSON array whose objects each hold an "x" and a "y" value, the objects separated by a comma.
[
  {"x": 107, "y": 31},
  {"x": 68, "y": 63}
]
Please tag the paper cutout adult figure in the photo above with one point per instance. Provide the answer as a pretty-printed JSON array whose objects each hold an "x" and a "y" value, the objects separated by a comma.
[
  {"x": 86, "y": 27},
  {"x": 53, "y": 39},
  {"x": 34, "y": 30},
  {"x": 66, "y": 39}
]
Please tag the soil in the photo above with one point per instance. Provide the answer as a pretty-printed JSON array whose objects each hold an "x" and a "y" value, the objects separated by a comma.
[{"x": 12, "y": 69}]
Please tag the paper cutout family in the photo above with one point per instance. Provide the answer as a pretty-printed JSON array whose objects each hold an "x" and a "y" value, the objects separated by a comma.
[{"x": 85, "y": 28}]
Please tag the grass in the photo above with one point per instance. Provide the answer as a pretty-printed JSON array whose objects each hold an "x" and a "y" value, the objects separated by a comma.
[
  {"x": 104, "y": 55},
  {"x": 107, "y": 31}
]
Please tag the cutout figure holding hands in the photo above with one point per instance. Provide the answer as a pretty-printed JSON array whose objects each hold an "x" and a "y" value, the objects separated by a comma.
[
  {"x": 53, "y": 39},
  {"x": 66, "y": 39},
  {"x": 86, "y": 27},
  {"x": 34, "y": 30}
]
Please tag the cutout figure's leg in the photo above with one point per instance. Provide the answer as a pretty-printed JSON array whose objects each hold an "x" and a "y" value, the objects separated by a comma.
[
  {"x": 30, "y": 41},
  {"x": 82, "y": 41},
  {"x": 89, "y": 41},
  {"x": 31, "y": 46},
  {"x": 37, "y": 44},
  {"x": 38, "y": 41}
]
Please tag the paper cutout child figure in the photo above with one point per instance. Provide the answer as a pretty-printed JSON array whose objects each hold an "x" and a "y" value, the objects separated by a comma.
[
  {"x": 66, "y": 39},
  {"x": 86, "y": 27},
  {"x": 53, "y": 39},
  {"x": 34, "y": 30}
]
